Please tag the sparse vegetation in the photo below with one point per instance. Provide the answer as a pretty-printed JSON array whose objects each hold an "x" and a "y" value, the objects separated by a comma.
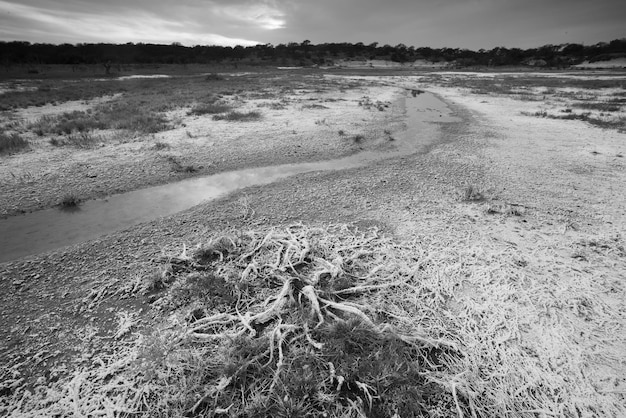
[
  {"x": 367, "y": 103},
  {"x": 113, "y": 116},
  {"x": 314, "y": 106},
  {"x": 77, "y": 121},
  {"x": 273, "y": 105},
  {"x": 213, "y": 77},
  {"x": 82, "y": 139},
  {"x": 618, "y": 123},
  {"x": 62, "y": 92},
  {"x": 209, "y": 109},
  {"x": 236, "y": 116},
  {"x": 178, "y": 167},
  {"x": 12, "y": 143},
  {"x": 328, "y": 320},
  {"x": 161, "y": 145},
  {"x": 600, "y": 106}
]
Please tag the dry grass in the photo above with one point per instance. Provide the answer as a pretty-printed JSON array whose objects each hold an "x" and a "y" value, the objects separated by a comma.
[
  {"x": 601, "y": 120},
  {"x": 12, "y": 143},
  {"x": 236, "y": 116},
  {"x": 70, "y": 201},
  {"x": 178, "y": 167},
  {"x": 209, "y": 109},
  {"x": 473, "y": 194},
  {"x": 335, "y": 322}
]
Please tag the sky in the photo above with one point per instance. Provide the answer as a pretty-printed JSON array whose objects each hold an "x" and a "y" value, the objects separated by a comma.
[{"x": 471, "y": 24}]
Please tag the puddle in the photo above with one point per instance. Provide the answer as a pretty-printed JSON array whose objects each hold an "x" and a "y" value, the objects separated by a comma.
[{"x": 49, "y": 229}]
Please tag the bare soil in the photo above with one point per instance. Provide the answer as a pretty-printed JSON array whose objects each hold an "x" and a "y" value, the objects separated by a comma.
[{"x": 552, "y": 209}]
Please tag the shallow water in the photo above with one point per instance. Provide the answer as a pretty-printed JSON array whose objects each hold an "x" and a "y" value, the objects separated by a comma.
[{"x": 49, "y": 229}]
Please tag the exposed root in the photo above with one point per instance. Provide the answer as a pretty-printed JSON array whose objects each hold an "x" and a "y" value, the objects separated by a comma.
[{"x": 319, "y": 321}]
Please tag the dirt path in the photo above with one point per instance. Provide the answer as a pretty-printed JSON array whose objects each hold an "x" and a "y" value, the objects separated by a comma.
[{"x": 538, "y": 262}]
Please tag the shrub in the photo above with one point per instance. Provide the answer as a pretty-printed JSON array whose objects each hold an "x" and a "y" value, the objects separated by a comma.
[{"x": 10, "y": 143}]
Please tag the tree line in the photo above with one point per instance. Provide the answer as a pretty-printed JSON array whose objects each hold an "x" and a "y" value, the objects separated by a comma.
[{"x": 303, "y": 54}]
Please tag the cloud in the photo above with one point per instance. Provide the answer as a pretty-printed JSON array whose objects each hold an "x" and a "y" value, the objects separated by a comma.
[
  {"x": 45, "y": 24},
  {"x": 453, "y": 23},
  {"x": 261, "y": 15},
  {"x": 436, "y": 23}
]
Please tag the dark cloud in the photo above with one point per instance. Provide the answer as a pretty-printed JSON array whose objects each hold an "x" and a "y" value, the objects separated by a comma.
[
  {"x": 455, "y": 23},
  {"x": 470, "y": 23}
]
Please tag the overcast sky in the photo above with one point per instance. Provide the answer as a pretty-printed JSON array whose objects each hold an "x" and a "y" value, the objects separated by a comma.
[{"x": 472, "y": 24}]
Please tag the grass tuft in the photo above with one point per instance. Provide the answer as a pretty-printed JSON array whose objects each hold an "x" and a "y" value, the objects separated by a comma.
[
  {"x": 473, "y": 194},
  {"x": 236, "y": 116},
  {"x": 178, "y": 167},
  {"x": 209, "y": 109},
  {"x": 12, "y": 143},
  {"x": 214, "y": 77},
  {"x": 70, "y": 201},
  {"x": 159, "y": 145}
]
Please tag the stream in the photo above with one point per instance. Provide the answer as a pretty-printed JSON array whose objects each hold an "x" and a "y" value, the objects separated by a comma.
[{"x": 49, "y": 229}]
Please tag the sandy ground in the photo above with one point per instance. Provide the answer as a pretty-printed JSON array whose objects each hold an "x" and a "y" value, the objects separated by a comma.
[
  {"x": 538, "y": 264},
  {"x": 567, "y": 180}
]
